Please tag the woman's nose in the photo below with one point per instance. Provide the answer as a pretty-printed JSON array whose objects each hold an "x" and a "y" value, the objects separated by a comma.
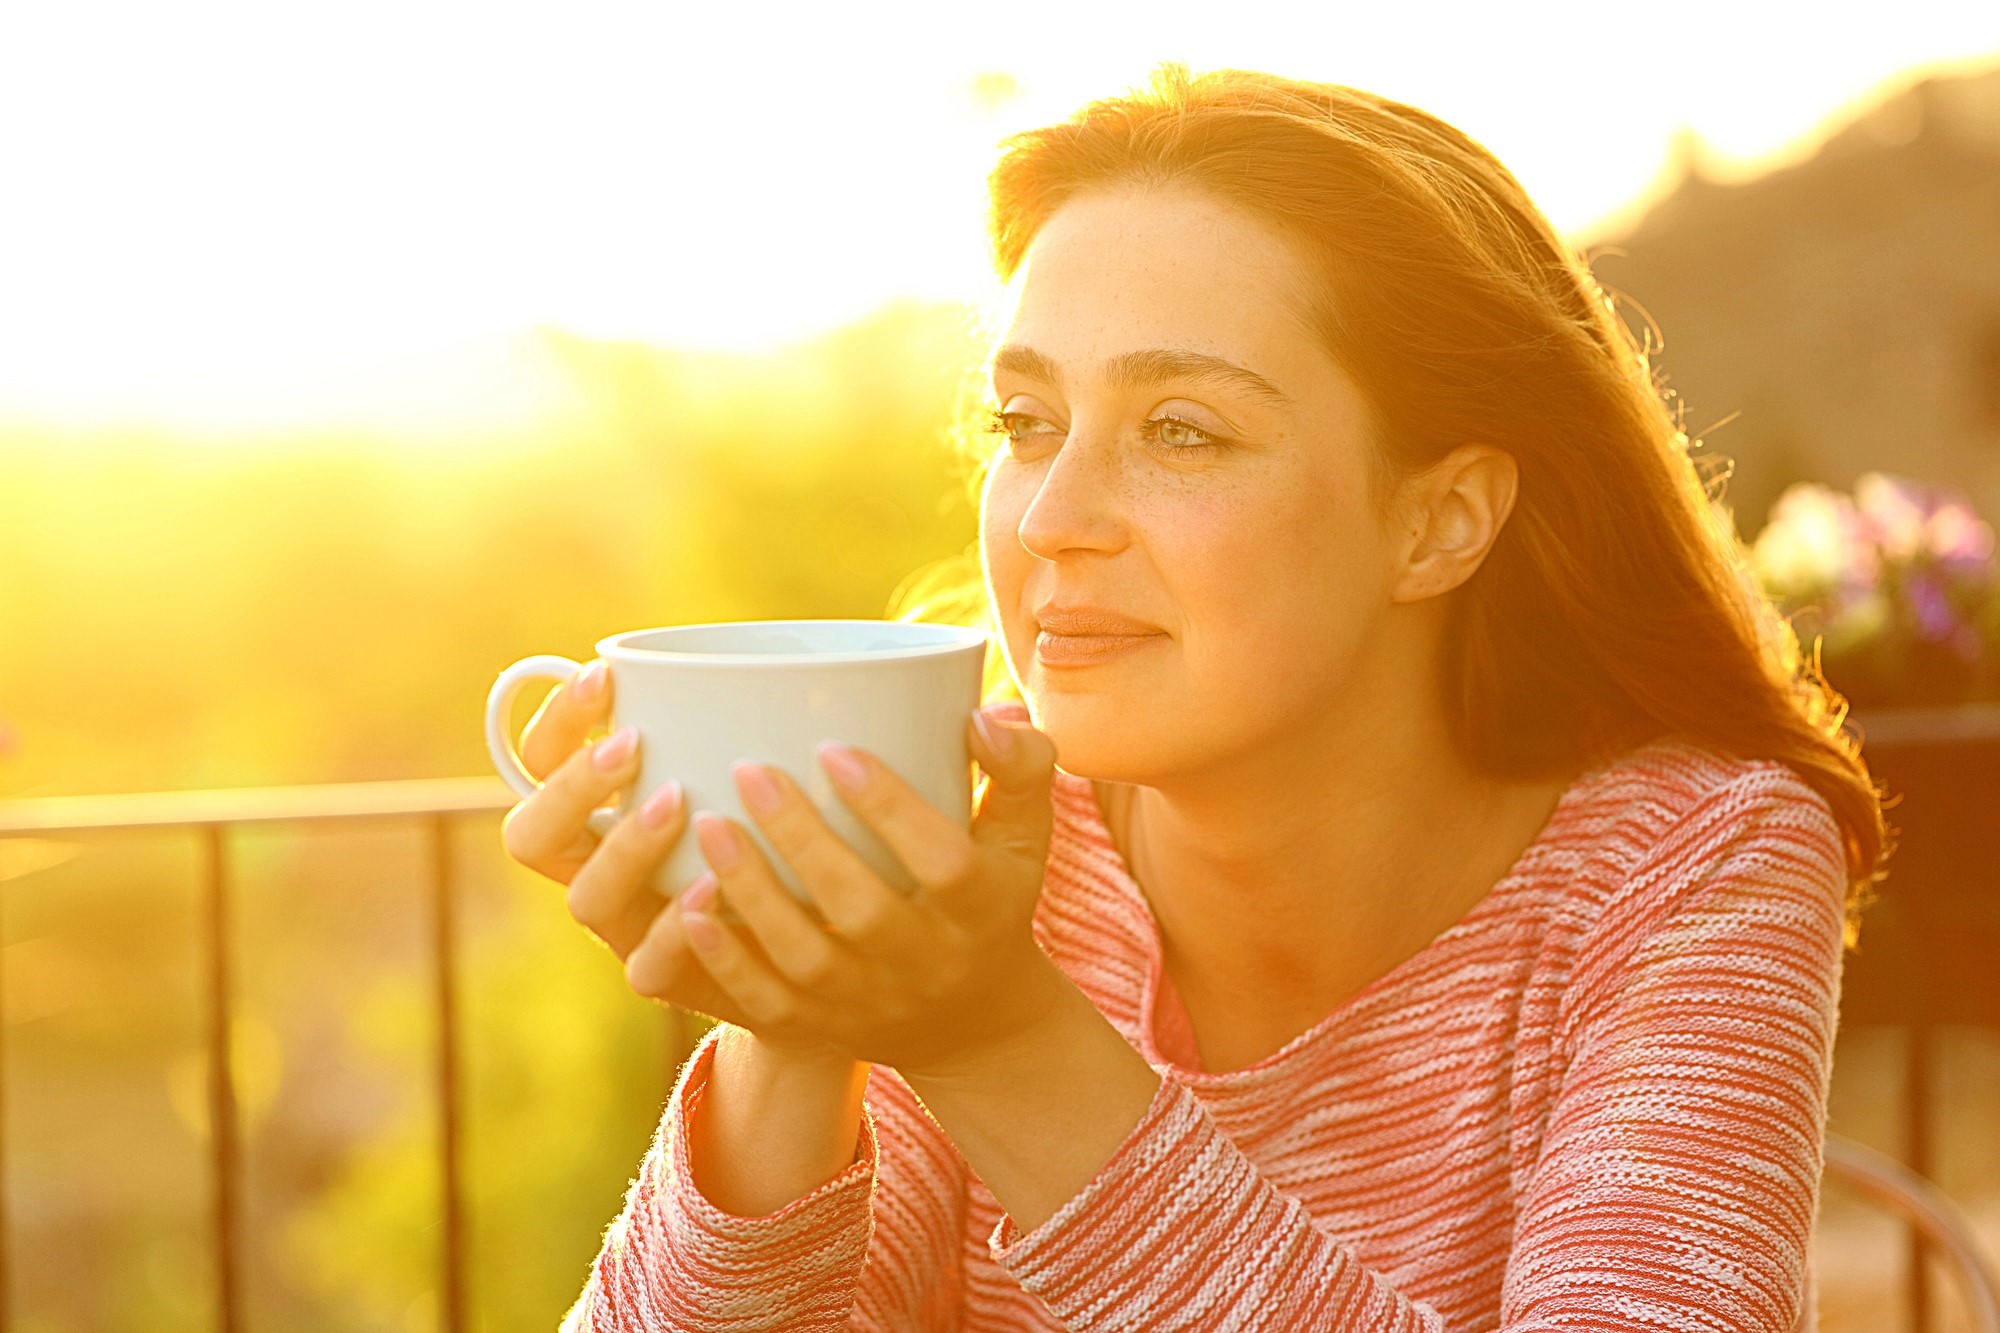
[{"x": 1079, "y": 504}]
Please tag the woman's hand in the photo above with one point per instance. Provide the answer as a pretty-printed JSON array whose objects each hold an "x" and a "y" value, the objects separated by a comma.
[
  {"x": 920, "y": 982},
  {"x": 608, "y": 878}
]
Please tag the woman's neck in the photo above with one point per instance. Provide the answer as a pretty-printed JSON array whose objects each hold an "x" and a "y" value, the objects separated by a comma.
[{"x": 1273, "y": 912}]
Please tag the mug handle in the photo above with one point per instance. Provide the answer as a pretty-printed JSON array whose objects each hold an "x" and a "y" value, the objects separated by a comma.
[{"x": 500, "y": 710}]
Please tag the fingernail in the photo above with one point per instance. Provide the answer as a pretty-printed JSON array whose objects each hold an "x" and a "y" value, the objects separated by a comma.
[
  {"x": 718, "y": 840},
  {"x": 590, "y": 681},
  {"x": 700, "y": 893},
  {"x": 615, "y": 749},
  {"x": 998, "y": 739},
  {"x": 844, "y": 765},
  {"x": 759, "y": 792},
  {"x": 701, "y": 932},
  {"x": 660, "y": 806}
]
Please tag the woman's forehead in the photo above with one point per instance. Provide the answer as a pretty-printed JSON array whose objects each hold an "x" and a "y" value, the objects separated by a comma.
[
  {"x": 1180, "y": 244},
  {"x": 1111, "y": 278}
]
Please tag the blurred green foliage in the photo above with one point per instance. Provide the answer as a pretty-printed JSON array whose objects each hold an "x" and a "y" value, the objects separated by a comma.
[{"x": 178, "y": 615}]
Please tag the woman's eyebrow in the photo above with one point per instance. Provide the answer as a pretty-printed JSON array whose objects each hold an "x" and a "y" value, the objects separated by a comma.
[{"x": 1132, "y": 370}]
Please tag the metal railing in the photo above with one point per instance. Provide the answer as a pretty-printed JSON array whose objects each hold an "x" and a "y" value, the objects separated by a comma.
[
  {"x": 434, "y": 803},
  {"x": 1931, "y": 1213}
]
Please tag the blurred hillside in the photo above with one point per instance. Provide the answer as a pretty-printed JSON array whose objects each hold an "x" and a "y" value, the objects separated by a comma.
[{"x": 1847, "y": 307}]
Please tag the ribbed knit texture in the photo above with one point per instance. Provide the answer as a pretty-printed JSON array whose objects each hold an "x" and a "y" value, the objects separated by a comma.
[{"x": 1594, "y": 1102}]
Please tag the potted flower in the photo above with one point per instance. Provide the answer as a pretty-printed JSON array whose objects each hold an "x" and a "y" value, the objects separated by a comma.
[{"x": 1898, "y": 583}]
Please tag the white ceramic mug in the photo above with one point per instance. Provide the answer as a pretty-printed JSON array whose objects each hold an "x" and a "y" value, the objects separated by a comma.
[{"x": 704, "y": 696}]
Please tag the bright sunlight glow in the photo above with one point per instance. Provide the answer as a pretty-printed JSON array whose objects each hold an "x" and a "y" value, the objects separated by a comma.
[{"x": 230, "y": 216}]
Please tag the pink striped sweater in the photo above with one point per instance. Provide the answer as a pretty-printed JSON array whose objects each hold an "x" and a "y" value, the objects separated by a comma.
[{"x": 1594, "y": 1102}]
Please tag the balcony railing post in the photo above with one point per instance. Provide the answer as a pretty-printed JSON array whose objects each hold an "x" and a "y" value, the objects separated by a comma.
[
  {"x": 223, "y": 1151},
  {"x": 452, "y": 1275}
]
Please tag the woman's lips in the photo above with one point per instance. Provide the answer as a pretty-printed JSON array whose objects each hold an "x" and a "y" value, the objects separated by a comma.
[{"x": 1086, "y": 649}]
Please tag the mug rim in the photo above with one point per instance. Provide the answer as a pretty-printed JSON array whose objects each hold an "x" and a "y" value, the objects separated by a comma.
[{"x": 954, "y": 638}]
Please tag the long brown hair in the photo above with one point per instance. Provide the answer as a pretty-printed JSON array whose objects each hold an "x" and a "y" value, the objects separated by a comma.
[{"x": 1617, "y": 604}]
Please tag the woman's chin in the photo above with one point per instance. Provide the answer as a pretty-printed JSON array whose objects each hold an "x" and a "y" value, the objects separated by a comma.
[{"x": 1094, "y": 738}]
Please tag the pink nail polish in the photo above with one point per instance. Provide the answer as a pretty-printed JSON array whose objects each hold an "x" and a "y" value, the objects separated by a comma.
[
  {"x": 660, "y": 806},
  {"x": 615, "y": 749},
  {"x": 998, "y": 739},
  {"x": 700, "y": 893},
  {"x": 760, "y": 793},
  {"x": 844, "y": 765},
  {"x": 701, "y": 932},
  {"x": 718, "y": 841}
]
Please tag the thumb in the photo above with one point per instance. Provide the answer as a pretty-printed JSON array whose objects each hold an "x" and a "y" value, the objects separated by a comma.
[{"x": 1017, "y": 811}]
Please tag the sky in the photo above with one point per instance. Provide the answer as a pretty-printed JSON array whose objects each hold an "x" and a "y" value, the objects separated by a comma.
[{"x": 243, "y": 216}]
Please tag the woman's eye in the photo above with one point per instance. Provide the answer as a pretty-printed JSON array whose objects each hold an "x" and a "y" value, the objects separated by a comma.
[
  {"x": 1170, "y": 435},
  {"x": 1178, "y": 437},
  {"x": 1016, "y": 426}
]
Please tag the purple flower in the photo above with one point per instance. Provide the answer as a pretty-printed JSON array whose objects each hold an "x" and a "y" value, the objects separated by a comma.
[
  {"x": 1910, "y": 521},
  {"x": 1935, "y": 617},
  {"x": 1958, "y": 539},
  {"x": 1893, "y": 512},
  {"x": 1899, "y": 558}
]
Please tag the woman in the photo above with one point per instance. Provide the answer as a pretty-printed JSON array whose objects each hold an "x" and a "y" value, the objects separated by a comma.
[{"x": 1436, "y": 919}]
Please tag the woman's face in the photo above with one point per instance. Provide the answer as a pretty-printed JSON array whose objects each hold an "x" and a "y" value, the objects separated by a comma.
[{"x": 1227, "y": 508}]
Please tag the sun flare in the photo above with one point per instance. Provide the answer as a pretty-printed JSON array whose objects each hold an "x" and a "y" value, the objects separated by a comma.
[{"x": 251, "y": 217}]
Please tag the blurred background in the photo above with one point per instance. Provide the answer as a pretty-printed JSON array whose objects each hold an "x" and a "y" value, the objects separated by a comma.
[{"x": 350, "y": 353}]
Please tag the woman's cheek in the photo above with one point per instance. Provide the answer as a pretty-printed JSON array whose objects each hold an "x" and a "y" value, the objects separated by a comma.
[
  {"x": 1007, "y": 561},
  {"x": 1002, "y": 503}
]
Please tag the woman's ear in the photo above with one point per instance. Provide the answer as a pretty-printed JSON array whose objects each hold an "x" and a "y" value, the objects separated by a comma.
[{"x": 1450, "y": 515}]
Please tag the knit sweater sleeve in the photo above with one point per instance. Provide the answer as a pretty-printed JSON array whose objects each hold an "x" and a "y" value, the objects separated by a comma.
[
  {"x": 1678, "y": 1180},
  {"x": 1679, "y": 1171},
  {"x": 877, "y": 1247}
]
